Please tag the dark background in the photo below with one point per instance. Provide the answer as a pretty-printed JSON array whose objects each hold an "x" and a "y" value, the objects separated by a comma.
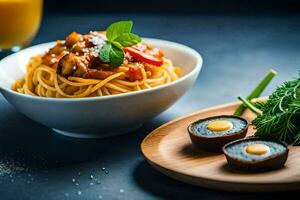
[
  {"x": 239, "y": 41},
  {"x": 175, "y": 6}
]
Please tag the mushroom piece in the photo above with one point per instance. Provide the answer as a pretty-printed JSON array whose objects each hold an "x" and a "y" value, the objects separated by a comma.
[
  {"x": 72, "y": 65},
  {"x": 99, "y": 74},
  {"x": 72, "y": 39},
  {"x": 58, "y": 48}
]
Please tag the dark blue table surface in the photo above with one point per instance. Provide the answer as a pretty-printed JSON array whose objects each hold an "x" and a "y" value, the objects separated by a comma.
[{"x": 237, "y": 52}]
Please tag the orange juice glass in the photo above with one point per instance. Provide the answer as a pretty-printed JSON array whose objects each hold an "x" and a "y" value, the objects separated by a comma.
[{"x": 19, "y": 23}]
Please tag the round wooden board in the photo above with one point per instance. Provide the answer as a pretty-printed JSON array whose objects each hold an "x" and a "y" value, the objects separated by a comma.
[{"x": 169, "y": 149}]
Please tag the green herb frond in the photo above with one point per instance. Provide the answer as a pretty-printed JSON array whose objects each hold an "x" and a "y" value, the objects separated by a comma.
[{"x": 281, "y": 114}]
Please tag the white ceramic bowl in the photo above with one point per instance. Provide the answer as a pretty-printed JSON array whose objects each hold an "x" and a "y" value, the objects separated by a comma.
[{"x": 99, "y": 116}]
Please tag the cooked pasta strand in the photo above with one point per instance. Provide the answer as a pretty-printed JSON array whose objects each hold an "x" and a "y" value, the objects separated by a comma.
[{"x": 42, "y": 80}]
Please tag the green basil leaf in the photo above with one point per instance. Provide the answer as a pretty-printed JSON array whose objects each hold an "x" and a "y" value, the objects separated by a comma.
[
  {"x": 104, "y": 53},
  {"x": 117, "y": 44},
  {"x": 112, "y": 54},
  {"x": 128, "y": 39},
  {"x": 118, "y": 36},
  {"x": 116, "y": 56},
  {"x": 118, "y": 28}
]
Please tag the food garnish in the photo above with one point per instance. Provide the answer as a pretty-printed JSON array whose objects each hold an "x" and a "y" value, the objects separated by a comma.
[
  {"x": 257, "y": 91},
  {"x": 249, "y": 105},
  {"x": 118, "y": 36},
  {"x": 278, "y": 117}
]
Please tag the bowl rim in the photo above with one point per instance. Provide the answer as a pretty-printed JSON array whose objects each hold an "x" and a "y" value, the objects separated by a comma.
[{"x": 196, "y": 69}]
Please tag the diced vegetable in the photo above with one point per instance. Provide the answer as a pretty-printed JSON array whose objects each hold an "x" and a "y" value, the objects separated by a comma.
[{"x": 143, "y": 57}]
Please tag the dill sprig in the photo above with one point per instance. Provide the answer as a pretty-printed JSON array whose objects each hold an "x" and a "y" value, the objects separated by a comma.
[{"x": 280, "y": 118}]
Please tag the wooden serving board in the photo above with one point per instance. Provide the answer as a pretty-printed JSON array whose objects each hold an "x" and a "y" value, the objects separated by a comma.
[{"x": 169, "y": 150}]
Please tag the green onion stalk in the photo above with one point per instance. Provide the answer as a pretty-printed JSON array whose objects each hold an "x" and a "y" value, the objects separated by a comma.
[{"x": 256, "y": 92}]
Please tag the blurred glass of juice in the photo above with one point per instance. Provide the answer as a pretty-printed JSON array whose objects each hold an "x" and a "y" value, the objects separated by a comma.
[{"x": 19, "y": 23}]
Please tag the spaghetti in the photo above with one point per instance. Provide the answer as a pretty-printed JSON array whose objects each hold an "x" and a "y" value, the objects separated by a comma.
[{"x": 43, "y": 79}]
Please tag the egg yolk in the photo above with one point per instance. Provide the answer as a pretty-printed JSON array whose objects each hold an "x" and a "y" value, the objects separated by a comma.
[
  {"x": 220, "y": 125},
  {"x": 257, "y": 149}
]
